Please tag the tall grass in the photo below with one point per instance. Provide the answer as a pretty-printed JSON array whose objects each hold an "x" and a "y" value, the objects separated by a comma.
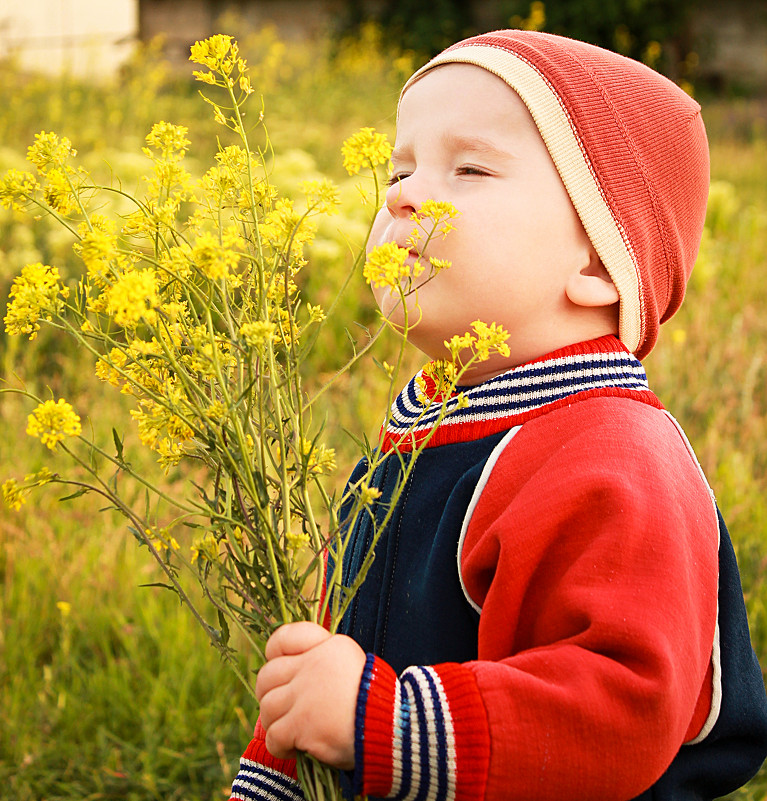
[{"x": 108, "y": 689}]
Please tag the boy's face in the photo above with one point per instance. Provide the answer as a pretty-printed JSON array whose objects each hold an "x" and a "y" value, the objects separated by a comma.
[{"x": 466, "y": 137}]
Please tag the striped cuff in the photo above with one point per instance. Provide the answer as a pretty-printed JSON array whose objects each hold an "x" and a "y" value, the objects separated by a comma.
[
  {"x": 256, "y": 781},
  {"x": 424, "y": 734},
  {"x": 263, "y": 776}
]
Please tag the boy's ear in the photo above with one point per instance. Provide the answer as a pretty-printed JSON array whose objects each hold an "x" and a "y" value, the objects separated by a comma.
[{"x": 591, "y": 285}]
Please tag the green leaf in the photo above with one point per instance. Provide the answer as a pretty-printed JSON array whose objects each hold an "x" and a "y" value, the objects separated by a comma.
[
  {"x": 118, "y": 445},
  {"x": 160, "y": 584},
  {"x": 224, "y": 627},
  {"x": 75, "y": 494}
]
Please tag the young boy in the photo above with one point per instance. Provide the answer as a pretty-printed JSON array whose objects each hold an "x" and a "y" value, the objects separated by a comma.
[{"x": 555, "y": 611}]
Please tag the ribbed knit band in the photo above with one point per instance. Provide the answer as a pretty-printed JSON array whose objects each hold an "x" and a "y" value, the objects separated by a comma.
[
  {"x": 254, "y": 782},
  {"x": 600, "y": 367},
  {"x": 264, "y": 777},
  {"x": 422, "y": 735},
  {"x": 631, "y": 150}
]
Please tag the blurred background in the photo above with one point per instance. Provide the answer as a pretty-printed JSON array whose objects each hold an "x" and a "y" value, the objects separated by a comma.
[
  {"x": 108, "y": 690},
  {"x": 724, "y": 46}
]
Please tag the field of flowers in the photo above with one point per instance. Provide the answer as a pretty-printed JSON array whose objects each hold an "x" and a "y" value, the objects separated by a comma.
[{"x": 109, "y": 689}]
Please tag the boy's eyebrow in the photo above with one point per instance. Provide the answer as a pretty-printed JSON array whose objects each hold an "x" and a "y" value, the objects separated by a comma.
[
  {"x": 468, "y": 144},
  {"x": 474, "y": 144}
]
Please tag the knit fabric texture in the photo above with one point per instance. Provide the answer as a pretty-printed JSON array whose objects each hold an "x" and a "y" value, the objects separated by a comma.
[
  {"x": 631, "y": 149},
  {"x": 515, "y": 396}
]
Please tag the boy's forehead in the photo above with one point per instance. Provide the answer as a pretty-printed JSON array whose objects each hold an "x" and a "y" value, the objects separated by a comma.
[
  {"x": 456, "y": 74},
  {"x": 478, "y": 106}
]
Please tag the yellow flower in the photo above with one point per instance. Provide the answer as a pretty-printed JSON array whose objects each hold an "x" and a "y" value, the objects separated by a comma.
[
  {"x": 161, "y": 540},
  {"x": 437, "y": 210},
  {"x": 320, "y": 459},
  {"x": 444, "y": 375},
  {"x": 316, "y": 313},
  {"x": 366, "y": 148},
  {"x": 296, "y": 539},
  {"x": 205, "y": 549},
  {"x": 133, "y": 297},
  {"x": 245, "y": 85},
  {"x": 485, "y": 340},
  {"x": 97, "y": 248},
  {"x": 35, "y": 295},
  {"x": 439, "y": 264},
  {"x": 48, "y": 151},
  {"x": 16, "y": 188},
  {"x": 105, "y": 367},
  {"x": 52, "y": 421},
  {"x": 679, "y": 336},
  {"x": 214, "y": 258},
  {"x": 490, "y": 339},
  {"x": 260, "y": 193},
  {"x": 439, "y": 213},
  {"x": 216, "y": 411},
  {"x": 170, "y": 140},
  {"x": 211, "y": 52},
  {"x": 64, "y": 607},
  {"x": 170, "y": 453},
  {"x": 368, "y": 494},
  {"x": 284, "y": 226},
  {"x": 42, "y": 476},
  {"x": 12, "y": 494},
  {"x": 205, "y": 77},
  {"x": 258, "y": 333},
  {"x": 178, "y": 429},
  {"x": 459, "y": 342},
  {"x": 385, "y": 265},
  {"x": 321, "y": 196},
  {"x": 58, "y": 193}
]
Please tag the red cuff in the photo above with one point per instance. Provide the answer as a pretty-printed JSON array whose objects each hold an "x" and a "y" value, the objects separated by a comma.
[
  {"x": 258, "y": 752},
  {"x": 424, "y": 733}
]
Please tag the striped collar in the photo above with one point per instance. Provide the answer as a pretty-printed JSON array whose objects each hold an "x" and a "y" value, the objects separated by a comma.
[{"x": 599, "y": 367}]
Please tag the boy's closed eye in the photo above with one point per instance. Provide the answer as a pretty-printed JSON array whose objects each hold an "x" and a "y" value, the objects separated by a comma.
[
  {"x": 463, "y": 170},
  {"x": 472, "y": 170},
  {"x": 395, "y": 179}
]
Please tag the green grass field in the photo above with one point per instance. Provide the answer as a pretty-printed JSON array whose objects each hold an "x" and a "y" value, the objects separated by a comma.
[{"x": 108, "y": 689}]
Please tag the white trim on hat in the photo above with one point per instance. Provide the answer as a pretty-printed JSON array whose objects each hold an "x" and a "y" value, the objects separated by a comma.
[{"x": 567, "y": 152}]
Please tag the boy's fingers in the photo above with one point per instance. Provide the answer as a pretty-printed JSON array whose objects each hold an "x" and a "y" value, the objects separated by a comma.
[
  {"x": 275, "y": 704},
  {"x": 280, "y": 740},
  {"x": 274, "y": 673},
  {"x": 295, "y": 638}
]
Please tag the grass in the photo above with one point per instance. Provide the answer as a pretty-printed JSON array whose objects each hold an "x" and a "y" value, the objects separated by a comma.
[{"x": 108, "y": 688}]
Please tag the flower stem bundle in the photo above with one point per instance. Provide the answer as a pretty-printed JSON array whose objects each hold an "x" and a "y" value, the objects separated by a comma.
[{"x": 190, "y": 305}]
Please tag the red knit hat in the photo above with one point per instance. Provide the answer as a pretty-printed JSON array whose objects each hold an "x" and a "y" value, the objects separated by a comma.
[{"x": 631, "y": 149}]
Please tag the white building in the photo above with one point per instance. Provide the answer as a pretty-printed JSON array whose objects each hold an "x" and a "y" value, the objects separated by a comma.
[{"x": 82, "y": 37}]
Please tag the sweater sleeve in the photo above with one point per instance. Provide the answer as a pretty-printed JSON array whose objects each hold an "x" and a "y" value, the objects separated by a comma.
[
  {"x": 593, "y": 559},
  {"x": 262, "y": 776}
]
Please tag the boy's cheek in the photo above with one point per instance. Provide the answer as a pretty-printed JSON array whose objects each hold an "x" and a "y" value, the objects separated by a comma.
[
  {"x": 378, "y": 231},
  {"x": 385, "y": 300}
]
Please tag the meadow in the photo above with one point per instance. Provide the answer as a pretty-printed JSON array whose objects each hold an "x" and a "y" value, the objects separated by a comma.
[{"x": 108, "y": 688}]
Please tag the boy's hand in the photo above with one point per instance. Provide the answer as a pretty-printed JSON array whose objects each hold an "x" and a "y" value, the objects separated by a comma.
[{"x": 308, "y": 693}]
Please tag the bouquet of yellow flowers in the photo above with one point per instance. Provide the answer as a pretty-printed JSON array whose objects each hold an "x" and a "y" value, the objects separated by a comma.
[{"x": 190, "y": 304}]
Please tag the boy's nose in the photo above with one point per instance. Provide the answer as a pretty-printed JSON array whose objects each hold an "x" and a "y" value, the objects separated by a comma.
[{"x": 403, "y": 197}]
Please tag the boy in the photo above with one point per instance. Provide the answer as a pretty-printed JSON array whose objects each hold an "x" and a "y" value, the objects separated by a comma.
[{"x": 591, "y": 640}]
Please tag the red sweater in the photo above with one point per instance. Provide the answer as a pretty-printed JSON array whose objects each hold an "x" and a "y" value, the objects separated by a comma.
[
  {"x": 590, "y": 551},
  {"x": 582, "y": 689}
]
